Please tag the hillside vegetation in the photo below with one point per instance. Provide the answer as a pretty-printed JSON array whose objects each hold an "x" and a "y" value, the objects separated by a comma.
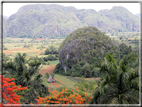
[
  {"x": 84, "y": 49},
  {"x": 56, "y": 21}
]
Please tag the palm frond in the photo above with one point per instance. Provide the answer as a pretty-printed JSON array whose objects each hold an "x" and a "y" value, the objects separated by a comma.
[
  {"x": 128, "y": 59},
  {"x": 132, "y": 96},
  {"x": 110, "y": 59},
  {"x": 106, "y": 98}
]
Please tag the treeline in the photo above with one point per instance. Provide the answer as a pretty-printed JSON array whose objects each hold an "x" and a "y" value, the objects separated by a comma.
[
  {"x": 52, "y": 52},
  {"x": 88, "y": 69}
]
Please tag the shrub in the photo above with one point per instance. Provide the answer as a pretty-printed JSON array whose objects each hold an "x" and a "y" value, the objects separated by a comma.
[
  {"x": 52, "y": 74},
  {"x": 47, "y": 74}
]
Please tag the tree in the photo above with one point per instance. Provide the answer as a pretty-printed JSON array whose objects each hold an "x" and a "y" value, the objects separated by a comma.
[
  {"x": 48, "y": 62},
  {"x": 51, "y": 50},
  {"x": 5, "y": 57},
  {"x": 27, "y": 76},
  {"x": 120, "y": 84},
  {"x": 47, "y": 74},
  {"x": 9, "y": 90},
  {"x": 35, "y": 62},
  {"x": 86, "y": 70},
  {"x": 66, "y": 96}
]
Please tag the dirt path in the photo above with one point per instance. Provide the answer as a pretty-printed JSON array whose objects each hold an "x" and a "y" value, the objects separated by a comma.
[
  {"x": 41, "y": 51},
  {"x": 54, "y": 84}
]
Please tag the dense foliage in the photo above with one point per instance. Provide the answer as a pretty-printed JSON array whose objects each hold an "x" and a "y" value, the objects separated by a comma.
[
  {"x": 50, "y": 57},
  {"x": 26, "y": 76},
  {"x": 120, "y": 84},
  {"x": 51, "y": 50},
  {"x": 84, "y": 49},
  {"x": 5, "y": 58}
]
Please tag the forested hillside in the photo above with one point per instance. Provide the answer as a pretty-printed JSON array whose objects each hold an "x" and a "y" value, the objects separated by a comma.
[
  {"x": 84, "y": 49},
  {"x": 56, "y": 21}
]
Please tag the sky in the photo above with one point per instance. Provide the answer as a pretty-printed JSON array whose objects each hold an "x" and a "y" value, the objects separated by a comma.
[{"x": 11, "y": 8}]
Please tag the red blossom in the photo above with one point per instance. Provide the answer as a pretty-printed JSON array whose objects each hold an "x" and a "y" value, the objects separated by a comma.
[{"x": 8, "y": 91}]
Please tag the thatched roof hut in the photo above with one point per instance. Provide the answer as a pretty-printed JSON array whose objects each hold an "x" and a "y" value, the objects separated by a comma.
[
  {"x": 9, "y": 54},
  {"x": 51, "y": 79}
]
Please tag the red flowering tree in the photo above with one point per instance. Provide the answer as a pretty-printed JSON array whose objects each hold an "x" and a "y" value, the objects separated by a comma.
[{"x": 9, "y": 89}]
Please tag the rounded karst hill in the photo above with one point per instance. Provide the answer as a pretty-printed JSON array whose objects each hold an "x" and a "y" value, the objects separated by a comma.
[{"x": 81, "y": 50}]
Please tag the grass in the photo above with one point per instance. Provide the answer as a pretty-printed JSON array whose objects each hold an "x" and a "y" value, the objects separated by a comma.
[
  {"x": 78, "y": 79},
  {"x": 65, "y": 80},
  {"x": 31, "y": 54},
  {"x": 43, "y": 67},
  {"x": 63, "y": 85},
  {"x": 54, "y": 62},
  {"x": 42, "y": 56}
]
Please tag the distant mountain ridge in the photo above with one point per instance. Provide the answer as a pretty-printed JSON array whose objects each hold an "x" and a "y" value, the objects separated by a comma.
[
  {"x": 55, "y": 21},
  {"x": 138, "y": 15},
  {"x": 5, "y": 17}
]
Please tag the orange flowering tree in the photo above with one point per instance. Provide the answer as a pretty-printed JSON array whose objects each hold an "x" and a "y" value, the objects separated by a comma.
[
  {"x": 65, "y": 97},
  {"x": 9, "y": 90}
]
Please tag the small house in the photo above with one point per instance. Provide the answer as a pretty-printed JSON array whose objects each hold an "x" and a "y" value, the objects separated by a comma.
[
  {"x": 51, "y": 80},
  {"x": 9, "y": 54}
]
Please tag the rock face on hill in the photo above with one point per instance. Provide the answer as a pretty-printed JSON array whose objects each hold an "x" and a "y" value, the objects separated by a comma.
[{"x": 56, "y": 21}]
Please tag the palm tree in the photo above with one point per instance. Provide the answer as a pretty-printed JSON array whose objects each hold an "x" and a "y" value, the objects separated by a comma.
[
  {"x": 120, "y": 84},
  {"x": 23, "y": 74},
  {"x": 27, "y": 77}
]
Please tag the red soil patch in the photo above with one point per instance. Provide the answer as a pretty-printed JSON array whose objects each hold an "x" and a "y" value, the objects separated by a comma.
[
  {"x": 7, "y": 52},
  {"x": 48, "y": 69},
  {"x": 54, "y": 84},
  {"x": 96, "y": 78},
  {"x": 39, "y": 39},
  {"x": 17, "y": 49}
]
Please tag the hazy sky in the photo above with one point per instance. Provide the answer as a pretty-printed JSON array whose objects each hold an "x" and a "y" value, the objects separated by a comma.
[{"x": 11, "y": 8}]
